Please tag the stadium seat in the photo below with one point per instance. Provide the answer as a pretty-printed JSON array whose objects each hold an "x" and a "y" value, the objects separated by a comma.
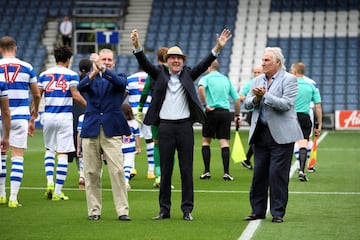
[
  {"x": 340, "y": 105},
  {"x": 352, "y": 88}
]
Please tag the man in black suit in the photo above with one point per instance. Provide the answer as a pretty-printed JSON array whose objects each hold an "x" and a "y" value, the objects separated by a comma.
[{"x": 174, "y": 108}]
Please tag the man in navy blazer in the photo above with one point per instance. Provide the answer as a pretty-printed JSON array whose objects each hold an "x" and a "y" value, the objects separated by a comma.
[
  {"x": 174, "y": 108},
  {"x": 104, "y": 125},
  {"x": 274, "y": 129}
]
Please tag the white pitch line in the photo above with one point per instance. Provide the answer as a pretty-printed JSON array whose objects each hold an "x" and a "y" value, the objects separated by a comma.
[
  {"x": 250, "y": 229},
  {"x": 198, "y": 191}
]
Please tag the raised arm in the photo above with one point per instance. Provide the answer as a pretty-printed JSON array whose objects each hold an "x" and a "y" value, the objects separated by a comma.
[
  {"x": 135, "y": 39},
  {"x": 222, "y": 40}
]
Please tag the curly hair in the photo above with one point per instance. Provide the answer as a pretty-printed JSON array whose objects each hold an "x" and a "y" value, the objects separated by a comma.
[{"x": 62, "y": 53}]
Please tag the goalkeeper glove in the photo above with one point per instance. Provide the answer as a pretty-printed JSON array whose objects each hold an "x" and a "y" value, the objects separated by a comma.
[{"x": 139, "y": 116}]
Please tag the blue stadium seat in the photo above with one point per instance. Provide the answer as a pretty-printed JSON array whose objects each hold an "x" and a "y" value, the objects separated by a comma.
[
  {"x": 340, "y": 70},
  {"x": 275, "y": 6},
  {"x": 190, "y": 17},
  {"x": 272, "y": 42},
  {"x": 327, "y": 108},
  {"x": 352, "y": 53},
  {"x": 340, "y": 105},
  {"x": 340, "y": 89},
  {"x": 352, "y": 106},
  {"x": 340, "y": 54},
  {"x": 352, "y": 69},
  {"x": 319, "y": 5},
  {"x": 352, "y": 88},
  {"x": 329, "y": 43},
  {"x": 191, "y": 60},
  {"x": 317, "y": 53},
  {"x": 327, "y": 88},
  {"x": 318, "y": 43},
  {"x": 316, "y": 77}
]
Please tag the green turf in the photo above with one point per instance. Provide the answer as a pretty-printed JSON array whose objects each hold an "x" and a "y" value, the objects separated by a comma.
[{"x": 319, "y": 209}]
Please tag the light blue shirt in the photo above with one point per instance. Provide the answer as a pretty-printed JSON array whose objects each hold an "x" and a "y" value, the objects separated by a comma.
[
  {"x": 175, "y": 105},
  {"x": 262, "y": 104}
]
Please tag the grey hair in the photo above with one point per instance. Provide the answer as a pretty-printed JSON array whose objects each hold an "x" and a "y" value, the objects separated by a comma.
[
  {"x": 106, "y": 50},
  {"x": 277, "y": 56}
]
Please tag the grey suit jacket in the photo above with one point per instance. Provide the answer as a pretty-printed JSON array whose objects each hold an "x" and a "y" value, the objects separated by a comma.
[{"x": 279, "y": 106}]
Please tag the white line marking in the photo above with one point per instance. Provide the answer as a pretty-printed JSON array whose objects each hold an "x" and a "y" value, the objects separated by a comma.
[{"x": 199, "y": 191}]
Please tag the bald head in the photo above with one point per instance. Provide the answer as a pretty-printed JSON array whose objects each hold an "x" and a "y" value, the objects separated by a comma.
[
  {"x": 298, "y": 69},
  {"x": 215, "y": 65},
  {"x": 257, "y": 70}
]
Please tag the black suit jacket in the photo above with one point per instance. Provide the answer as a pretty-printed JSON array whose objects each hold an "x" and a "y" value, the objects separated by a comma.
[{"x": 160, "y": 74}]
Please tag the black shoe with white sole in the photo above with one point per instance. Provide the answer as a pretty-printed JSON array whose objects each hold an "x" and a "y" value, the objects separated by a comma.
[
  {"x": 205, "y": 175},
  {"x": 228, "y": 177},
  {"x": 247, "y": 164}
]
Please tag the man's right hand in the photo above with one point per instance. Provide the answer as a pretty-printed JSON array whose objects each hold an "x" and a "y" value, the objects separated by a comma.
[{"x": 135, "y": 38}]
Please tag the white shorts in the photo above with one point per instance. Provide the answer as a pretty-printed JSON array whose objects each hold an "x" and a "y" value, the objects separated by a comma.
[
  {"x": 58, "y": 135},
  {"x": 18, "y": 133},
  {"x": 145, "y": 131}
]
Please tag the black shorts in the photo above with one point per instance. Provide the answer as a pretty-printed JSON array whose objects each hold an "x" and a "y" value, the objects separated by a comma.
[
  {"x": 217, "y": 124},
  {"x": 305, "y": 124},
  {"x": 248, "y": 117}
]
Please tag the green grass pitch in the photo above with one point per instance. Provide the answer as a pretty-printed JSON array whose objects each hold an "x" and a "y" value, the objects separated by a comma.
[{"x": 326, "y": 207}]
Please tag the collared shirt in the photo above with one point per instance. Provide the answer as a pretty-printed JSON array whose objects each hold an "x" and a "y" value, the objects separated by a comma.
[
  {"x": 307, "y": 94},
  {"x": 175, "y": 105},
  {"x": 218, "y": 89},
  {"x": 262, "y": 104},
  {"x": 66, "y": 28}
]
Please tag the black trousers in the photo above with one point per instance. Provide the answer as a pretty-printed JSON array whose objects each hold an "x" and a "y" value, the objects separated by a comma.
[
  {"x": 272, "y": 163},
  {"x": 66, "y": 40},
  {"x": 176, "y": 135}
]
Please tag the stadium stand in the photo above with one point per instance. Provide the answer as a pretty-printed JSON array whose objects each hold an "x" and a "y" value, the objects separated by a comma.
[
  {"x": 25, "y": 20},
  {"x": 324, "y": 34},
  {"x": 175, "y": 23}
]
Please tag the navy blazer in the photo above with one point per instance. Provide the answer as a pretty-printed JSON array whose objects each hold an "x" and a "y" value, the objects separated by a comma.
[
  {"x": 104, "y": 96},
  {"x": 161, "y": 76}
]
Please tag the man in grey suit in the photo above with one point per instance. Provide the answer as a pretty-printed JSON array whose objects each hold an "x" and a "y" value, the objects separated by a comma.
[{"x": 273, "y": 131}]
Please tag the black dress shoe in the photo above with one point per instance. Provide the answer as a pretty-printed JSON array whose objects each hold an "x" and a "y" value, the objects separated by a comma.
[
  {"x": 124, "y": 218},
  {"x": 254, "y": 217},
  {"x": 94, "y": 217},
  {"x": 277, "y": 219},
  {"x": 161, "y": 216},
  {"x": 188, "y": 216}
]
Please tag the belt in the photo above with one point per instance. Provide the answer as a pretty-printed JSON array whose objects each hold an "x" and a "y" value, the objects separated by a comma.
[{"x": 175, "y": 121}]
